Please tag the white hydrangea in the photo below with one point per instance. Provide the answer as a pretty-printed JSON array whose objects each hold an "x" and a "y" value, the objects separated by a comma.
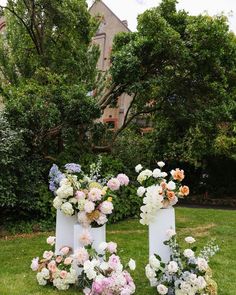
[
  {"x": 67, "y": 209},
  {"x": 65, "y": 191},
  {"x": 57, "y": 202},
  {"x": 40, "y": 279}
]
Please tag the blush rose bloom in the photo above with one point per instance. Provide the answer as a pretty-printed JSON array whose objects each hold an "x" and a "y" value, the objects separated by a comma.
[
  {"x": 64, "y": 250},
  {"x": 68, "y": 260},
  {"x": 63, "y": 274},
  {"x": 184, "y": 190},
  {"x": 111, "y": 247},
  {"x": 51, "y": 240},
  {"x": 52, "y": 266},
  {"x": 47, "y": 255},
  {"x": 161, "y": 289},
  {"x": 177, "y": 174}
]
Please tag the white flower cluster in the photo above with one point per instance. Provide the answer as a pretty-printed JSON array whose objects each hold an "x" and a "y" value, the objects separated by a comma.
[
  {"x": 172, "y": 277},
  {"x": 157, "y": 192}
]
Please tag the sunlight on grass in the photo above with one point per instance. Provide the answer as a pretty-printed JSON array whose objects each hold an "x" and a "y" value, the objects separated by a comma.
[{"x": 16, "y": 278}]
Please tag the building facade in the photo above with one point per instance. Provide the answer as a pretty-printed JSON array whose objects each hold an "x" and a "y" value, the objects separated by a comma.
[{"x": 110, "y": 26}]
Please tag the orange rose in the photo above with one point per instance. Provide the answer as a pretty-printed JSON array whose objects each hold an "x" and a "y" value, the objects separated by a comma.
[
  {"x": 184, "y": 190},
  {"x": 170, "y": 195},
  {"x": 178, "y": 174},
  {"x": 163, "y": 185}
]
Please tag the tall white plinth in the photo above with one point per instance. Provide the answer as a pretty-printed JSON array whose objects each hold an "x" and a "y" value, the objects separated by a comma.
[
  {"x": 98, "y": 235},
  {"x": 64, "y": 230},
  {"x": 165, "y": 220}
]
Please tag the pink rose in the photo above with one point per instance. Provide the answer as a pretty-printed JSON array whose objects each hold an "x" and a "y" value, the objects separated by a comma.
[
  {"x": 47, "y": 255},
  {"x": 52, "y": 266},
  {"x": 63, "y": 274},
  {"x": 123, "y": 179},
  {"x": 113, "y": 184},
  {"x": 64, "y": 250},
  {"x": 68, "y": 260},
  {"x": 58, "y": 259},
  {"x": 112, "y": 247},
  {"x": 51, "y": 240},
  {"x": 95, "y": 194}
]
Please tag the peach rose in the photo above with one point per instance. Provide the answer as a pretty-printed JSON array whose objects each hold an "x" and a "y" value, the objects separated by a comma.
[
  {"x": 184, "y": 190},
  {"x": 177, "y": 174},
  {"x": 163, "y": 185},
  {"x": 64, "y": 250},
  {"x": 68, "y": 260},
  {"x": 170, "y": 195}
]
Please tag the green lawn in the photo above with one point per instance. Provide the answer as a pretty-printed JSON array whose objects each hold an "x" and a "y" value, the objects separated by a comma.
[{"x": 16, "y": 253}]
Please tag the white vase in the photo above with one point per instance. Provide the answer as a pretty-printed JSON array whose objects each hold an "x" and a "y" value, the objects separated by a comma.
[
  {"x": 98, "y": 235},
  {"x": 64, "y": 230},
  {"x": 164, "y": 220}
]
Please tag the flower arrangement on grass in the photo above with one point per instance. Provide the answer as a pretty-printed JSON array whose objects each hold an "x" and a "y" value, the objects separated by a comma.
[
  {"x": 89, "y": 196},
  {"x": 55, "y": 269},
  {"x": 103, "y": 274},
  {"x": 158, "y": 191},
  {"x": 186, "y": 273}
]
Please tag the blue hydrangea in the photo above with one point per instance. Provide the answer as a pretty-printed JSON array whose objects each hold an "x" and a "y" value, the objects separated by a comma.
[
  {"x": 73, "y": 168},
  {"x": 55, "y": 177}
]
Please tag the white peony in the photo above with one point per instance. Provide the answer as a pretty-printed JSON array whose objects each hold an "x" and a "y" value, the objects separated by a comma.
[
  {"x": 89, "y": 268},
  {"x": 138, "y": 168},
  {"x": 140, "y": 191},
  {"x": 65, "y": 191},
  {"x": 161, "y": 164},
  {"x": 154, "y": 262},
  {"x": 67, "y": 209},
  {"x": 57, "y": 202},
  {"x": 188, "y": 253},
  {"x": 172, "y": 267},
  {"x": 132, "y": 264},
  {"x": 161, "y": 289},
  {"x": 190, "y": 240},
  {"x": 171, "y": 185},
  {"x": 170, "y": 233},
  {"x": 202, "y": 264},
  {"x": 156, "y": 173}
]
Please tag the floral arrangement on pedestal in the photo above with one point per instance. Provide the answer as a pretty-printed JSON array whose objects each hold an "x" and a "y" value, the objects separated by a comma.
[
  {"x": 158, "y": 191},
  {"x": 89, "y": 196},
  {"x": 87, "y": 269},
  {"x": 186, "y": 273},
  {"x": 104, "y": 273},
  {"x": 55, "y": 269}
]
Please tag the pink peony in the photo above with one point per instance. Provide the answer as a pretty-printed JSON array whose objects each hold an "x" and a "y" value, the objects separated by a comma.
[
  {"x": 80, "y": 195},
  {"x": 85, "y": 238},
  {"x": 63, "y": 274},
  {"x": 83, "y": 218},
  {"x": 64, "y": 250},
  {"x": 112, "y": 247},
  {"x": 123, "y": 179},
  {"x": 95, "y": 194},
  {"x": 102, "y": 219},
  {"x": 89, "y": 206},
  {"x": 113, "y": 184},
  {"x": 81, "y": 255},
  {"x": 106, "y": 207},
  {"x": 114, "y": 262}
]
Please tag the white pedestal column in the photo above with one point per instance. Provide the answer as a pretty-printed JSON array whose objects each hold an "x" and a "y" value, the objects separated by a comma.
[
  {"x": 165, "y": 219},
  {"x": 64, "y": 230},
  {"x": 98, "y": 235}
]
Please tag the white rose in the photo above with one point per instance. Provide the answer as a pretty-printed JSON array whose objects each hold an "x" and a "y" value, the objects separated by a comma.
[
  {"x": 156, "y": 173},
  {"x": 51, "y": 240},
  {"x": 201, "y": 283},
  {"x": 202, "y": 264},
  {"x": 171, "y": 185},
  {"x": 57, "y": 202},
  {"x": 163, "y": 174},
  {"x": 190, "y": 240},
  {"x": 138, "y": 168},
  {"x": 132, "y": 264},
  {"x": 89, "y": 206},
  {"x": 161, "y": 289},
  {"x": 102, "y": 246},
  {"x": 154, "y": 262},
  {"x": 150, "y": 273},
  {"x": 172, "y": 267},
  {"x": 188, "y": 253},
  {"x": 140, "y": 191},
  {"x": 161, "y": 164},
  {"x": 67, "y": 208},
  {"x": 170, "y": 233}
]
